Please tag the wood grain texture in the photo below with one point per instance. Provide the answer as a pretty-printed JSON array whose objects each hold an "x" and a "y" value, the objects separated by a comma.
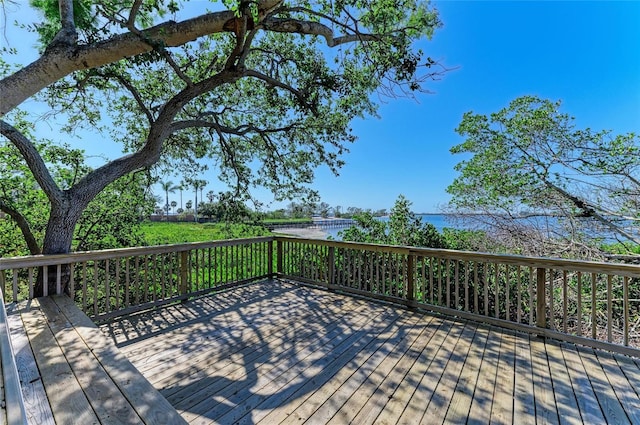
[{"x": 282, "y": 352}]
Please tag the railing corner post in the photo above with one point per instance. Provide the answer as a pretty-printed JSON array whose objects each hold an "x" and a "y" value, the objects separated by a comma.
[{"x": 541, "y": 304}]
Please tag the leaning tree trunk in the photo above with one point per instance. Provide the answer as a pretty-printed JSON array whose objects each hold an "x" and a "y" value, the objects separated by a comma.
[{"x": 57, "y": 240}]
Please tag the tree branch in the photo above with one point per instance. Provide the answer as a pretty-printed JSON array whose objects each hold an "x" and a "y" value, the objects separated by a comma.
[
  {"x": 277, "y": 83},
  {"x": 315, "y": 28},
  {"x": 33, "y": 160},
  {"x": 59, "y": 61},
  {"x": 24, "y": 227},
  {"x": 91, "y": 184},
  {"x": 67, "y": 36}
]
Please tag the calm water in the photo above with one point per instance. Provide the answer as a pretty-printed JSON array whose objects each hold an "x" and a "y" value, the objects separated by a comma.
[{"x": 440, "y": 221}]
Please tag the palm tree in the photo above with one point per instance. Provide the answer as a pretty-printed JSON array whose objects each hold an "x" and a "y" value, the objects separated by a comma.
[
  {"x": 168, "y": 188},
  {"x": 198, "y": 184},
  {"x": 181, "y": 187}
]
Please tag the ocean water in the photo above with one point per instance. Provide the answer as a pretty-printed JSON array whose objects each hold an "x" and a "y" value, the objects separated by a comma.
[{"x": 440, "y": 221}]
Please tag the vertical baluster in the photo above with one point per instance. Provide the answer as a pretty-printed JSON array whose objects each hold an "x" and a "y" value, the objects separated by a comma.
[
  {"x": 456, "y": 277},
  {"x": 423, "y": 280},
  {"x": 127, "y": 282},
  {"x": 552, "y": 311},
  {"x": 196, "y": 272},
  {"x": 163, "y": 277},
  {"x": 579, "y": 305},
  {"x": 153, "y": 276},
  {"x": 625, "y": 308},
  {"x": 45, "y": 281},
  {"x": 107, "y": 294},
  {"x": 205, "y": 267},
  {"x": 593, "y": 305},
  {"x": 496, "y": 285},
  {"x": 485, "y": 285},
  {"x": 72, "y": 281},
  {"x": 440, "y": 260},
  {"x": 173, "y": 283},
  {"x": 379, "y": 263},
  {"x": 564, "y": 301},
  {"x": 466, "y": 285},
  {"x": 84, "y": 287},
  {"x": 531, "y": 296},
  {"x": 507, "y": 293},
  {"x": 117, "y": 283},
  {"x": 476, "y": 289},
  {"x": 210, "y": 282},
  {"x": 519, "y": 293},
  {"x": 146, "y": 279},
  {"x": 226, "y": 264},
  {"x": 14, "y": 280},
  {"x": 609, "y": 308},
  {"x": 95, "y": 288},
  {"x": 138, "y": 284},
  {"x": 447, "y": 268},
  {"x": 3, "y": 282},
  {"x": 30, "y": 282},
  {"x": 541, "y": 314},
  {"x": 431, "y": 284},
  {"x": 59, "y": 279}
]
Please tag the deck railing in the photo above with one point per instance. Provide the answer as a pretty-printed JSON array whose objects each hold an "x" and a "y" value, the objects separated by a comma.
[
  {"x": 119, "y": 281},
  {"x": 12, "y": 410},
  {"x": 589, "y": 302}
]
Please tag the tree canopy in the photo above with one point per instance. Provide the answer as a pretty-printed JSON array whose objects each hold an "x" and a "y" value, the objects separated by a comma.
[
  {"x": 548, "y": 186},
  {"x": 265, "y": 90},
  {"x": 403, "y": 228}
]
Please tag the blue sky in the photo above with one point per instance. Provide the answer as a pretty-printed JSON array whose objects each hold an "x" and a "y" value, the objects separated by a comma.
[{"x": 586, "y": 54}]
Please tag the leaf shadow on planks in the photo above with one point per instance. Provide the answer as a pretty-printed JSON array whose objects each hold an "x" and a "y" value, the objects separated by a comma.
[{"x": 240, "y": 356}]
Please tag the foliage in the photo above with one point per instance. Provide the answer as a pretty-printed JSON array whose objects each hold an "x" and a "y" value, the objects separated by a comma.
[
  {"x": 160, "y": 233},
  {"x": 264, "y": 91},
  {"x": 402, "y": 228},
  {"x": 544, "y": 183},
  {"x": 109, "y": 221}
]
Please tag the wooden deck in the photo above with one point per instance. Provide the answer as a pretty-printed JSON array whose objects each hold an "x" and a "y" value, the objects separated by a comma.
[
  {"x": 276, "y": 352},
  {"x": 71, "y": 374}
]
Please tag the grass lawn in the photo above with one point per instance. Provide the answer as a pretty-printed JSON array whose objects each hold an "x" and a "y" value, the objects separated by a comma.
[{"x": 161, "y": 233}]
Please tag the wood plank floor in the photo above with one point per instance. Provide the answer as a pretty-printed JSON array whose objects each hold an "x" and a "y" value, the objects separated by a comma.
[{"x": 276, "y": 352}]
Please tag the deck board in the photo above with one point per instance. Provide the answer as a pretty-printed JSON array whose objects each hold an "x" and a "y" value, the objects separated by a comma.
[{"x": 280, "y": 352}]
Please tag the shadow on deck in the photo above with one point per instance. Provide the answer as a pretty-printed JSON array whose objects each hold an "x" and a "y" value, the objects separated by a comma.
[{"x": 279, "y": 352}]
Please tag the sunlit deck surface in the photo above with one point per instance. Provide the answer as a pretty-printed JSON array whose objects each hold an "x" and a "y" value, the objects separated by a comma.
[{"x": 276, "y": 352}]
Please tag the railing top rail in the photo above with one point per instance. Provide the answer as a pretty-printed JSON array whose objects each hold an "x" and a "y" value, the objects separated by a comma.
[
  {"x": 75, "y": 257},
  {"x": 584, "y": 266},
  {"x": 517, "y": 260},
  {"x": 14, "y": 403}
]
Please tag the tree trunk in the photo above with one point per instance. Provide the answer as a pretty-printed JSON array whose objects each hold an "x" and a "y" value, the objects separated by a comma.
[{"x": 57, "y": 240}]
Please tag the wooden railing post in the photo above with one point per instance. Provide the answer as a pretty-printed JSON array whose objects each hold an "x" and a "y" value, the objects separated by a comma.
[
  {"x": 184, "y": 270},
  {"x": 331, "y": 260},
  {"x": 541, "y": 305},
  {"x": 279, "y": 253},
  {"x": 411, "y": 282}
]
